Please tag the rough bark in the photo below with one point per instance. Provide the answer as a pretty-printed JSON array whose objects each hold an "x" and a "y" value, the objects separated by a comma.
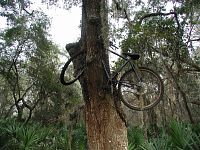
[{"x": 105, "y": 128}]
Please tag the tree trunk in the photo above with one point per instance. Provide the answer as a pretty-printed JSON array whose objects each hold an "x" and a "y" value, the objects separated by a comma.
[
  {"x": 105, "y": 128},
  {"x": 20, "y": 114},
  {"x": 183, "y": 94}
]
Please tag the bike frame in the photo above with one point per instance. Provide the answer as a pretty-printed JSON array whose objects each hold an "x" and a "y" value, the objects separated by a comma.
[{"x": 113, "y": 77}]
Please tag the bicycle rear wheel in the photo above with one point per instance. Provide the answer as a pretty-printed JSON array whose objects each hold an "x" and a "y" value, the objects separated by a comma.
[
  {"x": 142, "y": 95},
  {"x": 73, "y": 69}
]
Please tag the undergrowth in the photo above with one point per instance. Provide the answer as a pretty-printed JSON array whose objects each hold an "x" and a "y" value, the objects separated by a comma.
[{"x": 34, "y": 136}]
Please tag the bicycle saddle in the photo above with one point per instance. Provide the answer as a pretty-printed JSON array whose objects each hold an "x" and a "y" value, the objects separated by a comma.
[{"x": 133, "y": 56}]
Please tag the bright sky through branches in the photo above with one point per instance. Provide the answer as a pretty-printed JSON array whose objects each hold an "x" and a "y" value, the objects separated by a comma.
[{"x": 64, "y": 23}]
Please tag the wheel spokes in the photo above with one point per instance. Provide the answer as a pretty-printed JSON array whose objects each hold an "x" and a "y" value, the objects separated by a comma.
[{"x": 140, "y": 95}]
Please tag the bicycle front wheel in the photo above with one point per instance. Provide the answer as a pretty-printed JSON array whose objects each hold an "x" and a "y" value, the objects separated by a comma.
[
  {"x": 141, "y": 94},
  {"x": 72, "y": 69}
]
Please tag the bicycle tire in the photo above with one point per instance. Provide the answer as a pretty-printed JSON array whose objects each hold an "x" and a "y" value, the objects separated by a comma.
[
  {"x": 75, "y": 76},
  {"x": 140, "y": 98}
]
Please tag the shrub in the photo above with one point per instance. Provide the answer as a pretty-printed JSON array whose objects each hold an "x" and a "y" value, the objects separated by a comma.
[
  {"x": 15, "y": 135},
  {"x": 135, "y": 137}
]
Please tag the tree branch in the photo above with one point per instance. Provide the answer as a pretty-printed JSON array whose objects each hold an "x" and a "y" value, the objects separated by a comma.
[
  {"x": 124, "y": 10},
  {"x": 28, "y": 11},
  {"x": 196, "y": 102},
  {"x": 160, "y": 14},
  {"x": 192, "y": 64},
  {"x": 195, "y": 39}
]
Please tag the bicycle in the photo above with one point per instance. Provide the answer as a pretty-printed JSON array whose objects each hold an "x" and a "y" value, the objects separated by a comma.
[{"x": 139, "y": 88}]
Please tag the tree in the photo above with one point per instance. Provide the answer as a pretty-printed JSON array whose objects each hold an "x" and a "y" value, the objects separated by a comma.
[
  {"x": 166, "y": 41},
  {"x": 29, "y": 68},
  {"x": 105, "y": 128}
]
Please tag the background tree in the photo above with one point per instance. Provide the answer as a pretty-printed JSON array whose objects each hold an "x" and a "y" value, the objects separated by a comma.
[
  {"x": 29, "y": 68},
  {"x": 163, "y": 37}
]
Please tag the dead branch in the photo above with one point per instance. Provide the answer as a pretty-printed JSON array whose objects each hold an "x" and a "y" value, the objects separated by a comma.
[{"x": 160, "y": 14}]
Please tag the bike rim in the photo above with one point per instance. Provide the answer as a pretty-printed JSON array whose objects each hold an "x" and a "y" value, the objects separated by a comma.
[
  {"x": 69, "y": 74},
  {"x": 141, "y": 99}
]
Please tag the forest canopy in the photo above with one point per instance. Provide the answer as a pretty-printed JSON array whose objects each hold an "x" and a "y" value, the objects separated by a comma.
[{"x": 164, "y": 32}]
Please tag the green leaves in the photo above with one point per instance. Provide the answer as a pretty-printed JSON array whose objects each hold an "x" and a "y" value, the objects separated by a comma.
[
  {"x": 135, "y": 137},
  {"x": 29, "y": 59},
  {"x": 14, "y": 135},
  {"x": 17, "y": 136},
  {"x": 182, "y": 136},
  {"x": 31, "y": 136},
  {"x": 178, "y": 136}
]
